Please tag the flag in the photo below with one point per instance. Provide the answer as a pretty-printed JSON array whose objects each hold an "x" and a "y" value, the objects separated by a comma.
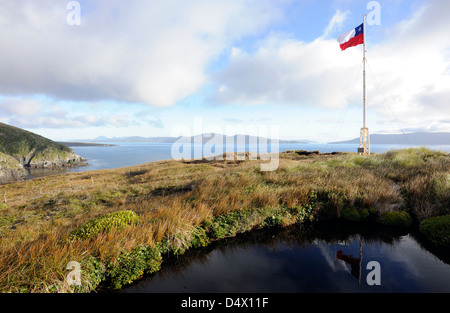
[{"x": 352, "y": 38}]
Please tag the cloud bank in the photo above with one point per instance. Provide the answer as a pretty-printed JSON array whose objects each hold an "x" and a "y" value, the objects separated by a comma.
[
  {"x": 408, "y": 74},
  {"x": 152, "y": 52}
]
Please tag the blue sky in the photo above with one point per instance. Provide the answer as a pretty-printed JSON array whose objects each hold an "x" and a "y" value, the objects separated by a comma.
[{"x": 150, "y": 68}]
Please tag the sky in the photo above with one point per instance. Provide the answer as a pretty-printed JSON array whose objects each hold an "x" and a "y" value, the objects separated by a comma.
[{"x": 73, "y": 70}]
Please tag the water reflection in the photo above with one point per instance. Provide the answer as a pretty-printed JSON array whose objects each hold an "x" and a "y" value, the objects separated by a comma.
[
  {"x": 321, "y": 258},
  {"x": 348, "y": 263}
]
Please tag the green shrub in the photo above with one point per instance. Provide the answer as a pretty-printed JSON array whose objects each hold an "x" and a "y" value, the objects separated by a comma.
[
  {"x": 351, "y": 214},
  {"x": 130, "y": 266},
  {"x": 177, "y": 244},
  {"x": 229, "y": 224},
  {"x": 199, "y": 238},
  {"x": 397, "y": 218},
  {"x": 92, "y": 274},
  {"x": 437, "y": 229},
  {"x": 364, "y": 213},
  {"x": 302, "y": 213},
  {"x": 274, "y": 220},
  {"x": 117, "y": 220}
]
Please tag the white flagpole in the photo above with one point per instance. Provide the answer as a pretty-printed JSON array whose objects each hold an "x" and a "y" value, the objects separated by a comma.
[
  {"x": 364, "y": 70},
  {"x": 364, "y": 138}
]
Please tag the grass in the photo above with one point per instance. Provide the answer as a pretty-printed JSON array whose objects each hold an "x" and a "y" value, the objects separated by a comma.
[{"x": 180, "y": 205}]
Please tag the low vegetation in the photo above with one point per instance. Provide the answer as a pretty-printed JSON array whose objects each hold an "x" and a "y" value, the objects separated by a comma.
[
  {"x": 121, "y": 224},
  {"x": 116, "y": 220},
  {"x": 437, "y": 229},
  {"x": 397, "y": 218}
]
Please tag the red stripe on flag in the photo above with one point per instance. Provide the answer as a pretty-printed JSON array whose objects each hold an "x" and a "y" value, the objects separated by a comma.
[{"x": 353, "y": 42}]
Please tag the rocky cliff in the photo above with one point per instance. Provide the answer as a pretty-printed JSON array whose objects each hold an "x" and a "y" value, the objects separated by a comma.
[
  {"x": 21, "y": 150},
  {"x": 10, "y": 169}
]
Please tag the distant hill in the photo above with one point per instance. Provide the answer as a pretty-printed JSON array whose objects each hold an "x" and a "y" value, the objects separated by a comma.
[
  {"x": 203, "y": 138},
  {"x": 21, "y": 150},
  {"x": 84, "y": 144},
  {"x": 417, "y": 138}
]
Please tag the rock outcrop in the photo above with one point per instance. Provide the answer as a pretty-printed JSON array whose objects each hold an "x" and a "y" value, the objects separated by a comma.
[
  {"x": 10, "y": 169},
  {"x": 22, "y": 150}
]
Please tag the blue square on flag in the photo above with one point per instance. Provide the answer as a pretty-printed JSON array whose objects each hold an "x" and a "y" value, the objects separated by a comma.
[{"x": 359, "y": 30}]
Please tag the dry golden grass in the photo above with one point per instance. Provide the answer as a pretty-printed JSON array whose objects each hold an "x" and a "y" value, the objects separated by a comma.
[{"x": 172, "y": 197}]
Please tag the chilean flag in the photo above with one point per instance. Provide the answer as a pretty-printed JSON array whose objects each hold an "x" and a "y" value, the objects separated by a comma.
[{"x": 352, "y": 38}]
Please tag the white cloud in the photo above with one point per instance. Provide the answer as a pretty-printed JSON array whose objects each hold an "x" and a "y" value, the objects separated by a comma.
[
  {"x": 408, "y": 76},
  {"x": 33, "y": 114},
  {"x": 285, "y": 71},
  {"x": 15, "y": 106},
  {"x": 411, "y": 69},
  {"x": 152, "y": 52},
  {"x": 336, "y": 22}
]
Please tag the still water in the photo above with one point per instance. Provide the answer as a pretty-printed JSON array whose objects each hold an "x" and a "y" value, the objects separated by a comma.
[
  {"x": 129, "y": 154},
  {"x": 329, "y": 257}
]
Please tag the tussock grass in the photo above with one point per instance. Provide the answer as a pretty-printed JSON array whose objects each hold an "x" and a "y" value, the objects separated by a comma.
[{"x": 185, "y": 204}]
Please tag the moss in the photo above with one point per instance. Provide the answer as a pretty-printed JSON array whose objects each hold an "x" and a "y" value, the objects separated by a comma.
[
  {"x": 397, "y": 218},
  {"x": 351, "y": 214},
  {"x": 364, "y": 213},
  {"x": 130, "y": 266},
  {"x": 355, "y": 214},
  {"x": 117, "y": 220},
  {"x": 437, "y": 229},
  {"x": 92, "y": 274}
]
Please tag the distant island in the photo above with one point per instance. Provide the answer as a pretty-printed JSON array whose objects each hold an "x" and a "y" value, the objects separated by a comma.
[
  {"x": 84, "y": 144},
  {"x": 416, "y": 138},
  {"x": 21, "y": 150},
  {"x": 197, "y": 138}
]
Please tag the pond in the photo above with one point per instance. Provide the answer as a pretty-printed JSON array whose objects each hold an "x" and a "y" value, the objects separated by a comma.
[{"x": 326, "y": 257}]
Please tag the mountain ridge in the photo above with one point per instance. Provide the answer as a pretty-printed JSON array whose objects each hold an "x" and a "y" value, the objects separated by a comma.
[
  {"x": 412, "y": 138},
  {"x": 164, "y": 139}
]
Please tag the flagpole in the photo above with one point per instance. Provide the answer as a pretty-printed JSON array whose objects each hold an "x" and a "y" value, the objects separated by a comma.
[
  {"x": 364, "y": 70},
  {"x": 364, "y": 148}
]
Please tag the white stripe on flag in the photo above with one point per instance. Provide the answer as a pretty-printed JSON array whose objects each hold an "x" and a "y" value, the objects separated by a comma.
[{"x": 347, "y": 36}]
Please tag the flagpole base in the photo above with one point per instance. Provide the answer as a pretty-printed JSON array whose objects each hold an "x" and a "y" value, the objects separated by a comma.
[{"x": 364, "y": 142}]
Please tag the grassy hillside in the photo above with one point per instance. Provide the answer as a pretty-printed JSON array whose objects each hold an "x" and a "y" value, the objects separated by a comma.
[
  {"x": 120, "y": 224},
  {"x": 32, "y": 150}
]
